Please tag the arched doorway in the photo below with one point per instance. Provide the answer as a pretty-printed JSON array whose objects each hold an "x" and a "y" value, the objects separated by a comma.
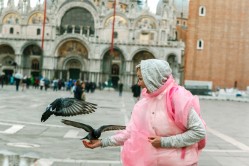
[
  {"x": 113, "y": 67},
  {"x": 32, "y": 60},
  {"x": 141, "y": 55},
  {"x": 7, "y": 61},
  {"x": 72, "y": 58},
  {"x": 74, "y": 67}
]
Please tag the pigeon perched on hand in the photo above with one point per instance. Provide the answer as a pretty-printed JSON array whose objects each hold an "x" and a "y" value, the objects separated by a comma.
[
  {"x": 93, "y": 134},
  {"x": 68, "y": 107}
]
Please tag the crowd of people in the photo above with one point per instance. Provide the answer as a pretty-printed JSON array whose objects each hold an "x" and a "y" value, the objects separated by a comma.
[{"x": 165, "y": 127}]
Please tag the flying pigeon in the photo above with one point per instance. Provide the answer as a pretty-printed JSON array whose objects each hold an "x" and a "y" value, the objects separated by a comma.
[
  {"x": 93, "y": 134},
  {"x": 68, "y": 107}
]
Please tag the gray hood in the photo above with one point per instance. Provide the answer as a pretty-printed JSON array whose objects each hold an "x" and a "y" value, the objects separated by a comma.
[{"x": 155, "y": 73}]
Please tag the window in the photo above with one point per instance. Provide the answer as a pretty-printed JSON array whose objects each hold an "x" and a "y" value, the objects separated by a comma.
[
  {"x": 35, "y": 64},
  {"x": 80, "y": 17},
  {"x": 11, "y": 30},
  {"x": 200, "y": 44},
  {"x": 38, "y": 31},
  {"x": 202, "y": 11}
]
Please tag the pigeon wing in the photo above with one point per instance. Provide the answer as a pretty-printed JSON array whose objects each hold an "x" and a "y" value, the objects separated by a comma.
[
  {"x": 111, "y": 127},
  {"x": 78, "y": 125},
  {"x": 72, "y": 107}
]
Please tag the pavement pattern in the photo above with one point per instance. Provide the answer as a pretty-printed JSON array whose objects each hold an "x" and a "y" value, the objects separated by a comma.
[{"x": 25, "y": 141}]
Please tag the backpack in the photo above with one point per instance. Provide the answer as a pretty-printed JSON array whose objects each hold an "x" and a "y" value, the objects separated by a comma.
[{"x": 194, "y": 102}]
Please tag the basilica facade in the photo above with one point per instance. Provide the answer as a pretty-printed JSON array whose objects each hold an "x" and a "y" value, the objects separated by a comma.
[{"x": 78, "y": 37}]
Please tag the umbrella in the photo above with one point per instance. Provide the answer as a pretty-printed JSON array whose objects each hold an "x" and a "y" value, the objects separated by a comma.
[{"x": 18, "y": 76}]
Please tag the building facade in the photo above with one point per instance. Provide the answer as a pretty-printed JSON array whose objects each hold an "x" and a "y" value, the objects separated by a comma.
[
  {"x": 217, "y": 43},
  {"x": 182, "y": 10},
  {"x": 78, "y": 37}
]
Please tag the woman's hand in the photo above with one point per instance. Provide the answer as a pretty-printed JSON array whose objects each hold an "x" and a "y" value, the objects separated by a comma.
[
  {"x": 92, "y": 144},
  {"x": 155, "y": 141}
]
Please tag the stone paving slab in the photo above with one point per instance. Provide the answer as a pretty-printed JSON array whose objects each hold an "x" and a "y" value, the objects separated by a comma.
[{"x": 54, "y": 143}]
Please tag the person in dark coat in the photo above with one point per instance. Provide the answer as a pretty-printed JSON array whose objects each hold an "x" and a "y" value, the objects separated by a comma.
[
  {"x": 17, "y": 83},
  {"x": 78, "y": 90},
  {"x": 136, "y": 90},
  {"x": 120, "y": 88}
]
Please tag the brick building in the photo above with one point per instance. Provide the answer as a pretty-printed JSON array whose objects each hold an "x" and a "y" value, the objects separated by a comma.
[{"x": 217, "y": 46}]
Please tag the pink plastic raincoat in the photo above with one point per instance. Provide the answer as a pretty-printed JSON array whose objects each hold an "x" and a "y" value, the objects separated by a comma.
[{"x": 151, "y": 118}]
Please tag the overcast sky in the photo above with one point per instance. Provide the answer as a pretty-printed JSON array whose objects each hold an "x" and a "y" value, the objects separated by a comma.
[{"x": 151, "y": 3}]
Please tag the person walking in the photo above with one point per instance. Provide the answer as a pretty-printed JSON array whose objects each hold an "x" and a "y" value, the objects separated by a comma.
[
  {"x": 120, "y": 88},
  {"x": 2, "y": 79},
  {"x": 165, "y": 128},
  {"x": 136, "y": 90},
  {"x": 17, "y": 80},
  {"x": 83, "y": 95},
  {"x": 78, "y": 90}
]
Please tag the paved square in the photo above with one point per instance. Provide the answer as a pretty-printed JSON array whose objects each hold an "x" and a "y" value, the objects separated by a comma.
[{"x": 24, "y": 138}]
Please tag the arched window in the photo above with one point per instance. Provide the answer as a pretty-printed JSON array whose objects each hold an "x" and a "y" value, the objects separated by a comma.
[
  {"x": 38, "y": 31},
  {"x": 78, "y": 17},
  {"x": 200, "y": 44},
  {"x": 11, "y": 30},
  {"x": 202, "y": 11},
  {"x": 35, "y": 64}
]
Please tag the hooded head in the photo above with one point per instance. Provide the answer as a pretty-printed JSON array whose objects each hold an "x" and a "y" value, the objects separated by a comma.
[{"x": 155, "y": 73}]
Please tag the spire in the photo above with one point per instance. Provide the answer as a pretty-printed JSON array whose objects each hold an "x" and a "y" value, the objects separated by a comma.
[
  {"x": 11, "y": 3},
  {"x": 20, "y": 5}
]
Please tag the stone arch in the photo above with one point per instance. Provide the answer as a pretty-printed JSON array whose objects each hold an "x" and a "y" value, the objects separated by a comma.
[
  {"x": 107, "y": 49},
  {"x": 30, "y": 53},
  {"x": 7, "y": 60},
  {"x": 120, "y": 21},
  {"x": 113, "y": 66},
  {"x": 73, "y": 66},
  {"x": 62, "y": 39},
  {"x": 145, "y": 22},
  {"x": 138, "y": 56},
  {"x": 72, "y": 47},
  {"x": 145, "y": 29},
  {"x": 141, "y": 55},
  {"x": 72, "y": 59},
  {"x": 6, "y": 49},
  {"x": 37, "y": 18},
  {"x": 77, "y": 20},
  {"x": 74, "y": 62},
  {"x": 72, "y": 4},
  {"x": 11, "y": 18}
]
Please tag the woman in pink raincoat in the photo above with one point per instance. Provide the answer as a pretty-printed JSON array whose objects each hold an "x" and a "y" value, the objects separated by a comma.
[{"x": 165, "y": 128}]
